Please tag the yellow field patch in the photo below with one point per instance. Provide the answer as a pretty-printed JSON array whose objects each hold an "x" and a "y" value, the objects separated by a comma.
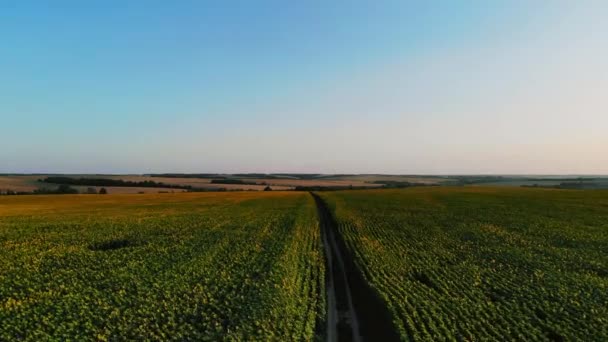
[{"x": 118, "y": 203}]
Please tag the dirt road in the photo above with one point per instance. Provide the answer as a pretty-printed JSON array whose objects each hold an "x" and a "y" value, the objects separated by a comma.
[{"x": 355, "y": 312}]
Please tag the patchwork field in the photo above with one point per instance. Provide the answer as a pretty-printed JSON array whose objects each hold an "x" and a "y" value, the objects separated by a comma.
[
  {"x": 292, "y": 183},
  {"x": 29, "y": 183},
  {"x": 482, "y": 263},
  {"x": 259, "y": 182},
  {"x": 19, "y": 183},
  {"x": 157, "y": 267}
]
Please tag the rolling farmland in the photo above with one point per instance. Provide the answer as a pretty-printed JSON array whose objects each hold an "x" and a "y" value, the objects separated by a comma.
[
  {"x": 427, "y": 263},
  {"x": 482, "y": 263},
  {"x": 158, "y": 267},
  {"x": 319, "y": 171}
]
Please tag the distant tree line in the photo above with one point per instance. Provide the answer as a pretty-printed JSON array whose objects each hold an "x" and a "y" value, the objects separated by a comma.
[
  {"x": 111, "y": 182},
  {"x": 385, "y": 185},
  {"x": 399, "y": 184},
  {"x": 470, "y": 180},
  {"x": 232, "y": 181},
  {"x": 189, "y": 175},
  {"x": 563, "y": 179},
  {"x": 10, "y": 192},
  {"x": 243, "y": 175},
  {"x": 62, "y": 189},
  {"x": 300, "y": 175},
  {"x": 261, "y": 176},
  {"x": 327, "y": 188},
  {"x": 580, "y": 184}
]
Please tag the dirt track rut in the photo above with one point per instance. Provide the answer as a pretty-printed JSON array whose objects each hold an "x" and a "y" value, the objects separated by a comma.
[{"x": 355, "y": 312}]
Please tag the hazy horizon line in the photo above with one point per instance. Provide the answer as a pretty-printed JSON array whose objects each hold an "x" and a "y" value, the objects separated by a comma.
[{"x": 306, "y": 173}]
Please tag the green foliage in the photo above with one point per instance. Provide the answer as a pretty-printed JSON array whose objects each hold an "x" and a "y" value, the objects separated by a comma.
[
  {"x": 66, "y": 189},
  {"x": 62, "y": 189},
  {"x": 189, "y": 267},
  {"x": 111, "y": 182},
  {"x": 483, "y": 263}
]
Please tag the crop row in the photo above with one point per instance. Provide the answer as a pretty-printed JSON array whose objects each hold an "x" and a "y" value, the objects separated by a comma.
[
  {"x": 218, "y": 267},
  {"x": 468, "y": 264}
]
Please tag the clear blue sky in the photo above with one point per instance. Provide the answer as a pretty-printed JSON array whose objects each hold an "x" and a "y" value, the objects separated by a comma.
[{"x": 311, "y": 86}]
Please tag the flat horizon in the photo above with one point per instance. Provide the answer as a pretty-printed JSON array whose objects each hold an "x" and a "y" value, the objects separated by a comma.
[{"x": 308, "y": 173}]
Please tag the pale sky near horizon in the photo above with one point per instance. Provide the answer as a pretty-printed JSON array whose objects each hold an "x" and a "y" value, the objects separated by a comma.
[{"x": 410, "y": 87}]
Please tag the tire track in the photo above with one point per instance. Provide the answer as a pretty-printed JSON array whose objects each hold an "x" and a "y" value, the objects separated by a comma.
[{"x": 355, "y": 312}]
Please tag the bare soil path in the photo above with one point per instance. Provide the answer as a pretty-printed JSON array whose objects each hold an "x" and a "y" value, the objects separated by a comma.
[{"x": 354, "y": 310}]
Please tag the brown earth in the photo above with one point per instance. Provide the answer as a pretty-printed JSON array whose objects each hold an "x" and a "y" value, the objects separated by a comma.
[
  {"x": 313, "y": 182},
  {"x": 30, "y": 183},
  {"x": 394, "y": 178}
]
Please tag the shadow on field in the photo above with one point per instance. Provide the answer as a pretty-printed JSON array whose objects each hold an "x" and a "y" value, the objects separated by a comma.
[
  {"x": 352, "y": 292},
  {"x": 114, "y": 244}
]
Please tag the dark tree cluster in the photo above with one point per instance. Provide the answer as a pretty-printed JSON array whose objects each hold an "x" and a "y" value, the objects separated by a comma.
[{"x": 112, "y": 182}]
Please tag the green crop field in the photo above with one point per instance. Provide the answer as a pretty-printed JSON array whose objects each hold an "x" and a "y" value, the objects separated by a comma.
[
  {"x": 482, "y": 263},
  {"x": 236, "y": 266},
  {"x": 424, "y": 263}
]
